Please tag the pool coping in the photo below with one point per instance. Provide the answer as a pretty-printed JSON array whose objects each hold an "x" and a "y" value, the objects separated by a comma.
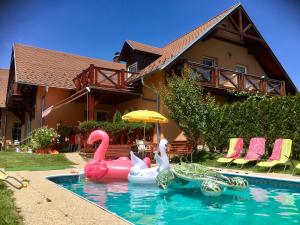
[
  {"x": 236, "y": 173},
  {"x": 99, "y": 206},
  {"x": 255, "y": 175}
]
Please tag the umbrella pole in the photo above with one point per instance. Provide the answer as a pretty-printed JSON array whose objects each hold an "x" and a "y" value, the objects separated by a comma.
[{"x": 144, "y": 130}]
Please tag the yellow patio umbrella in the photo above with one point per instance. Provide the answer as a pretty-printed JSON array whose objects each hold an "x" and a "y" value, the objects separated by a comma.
[{"x": 145, "y": 116}]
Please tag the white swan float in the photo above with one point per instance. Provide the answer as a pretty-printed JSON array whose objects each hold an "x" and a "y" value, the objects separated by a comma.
[{"x": 141, "y": 174}]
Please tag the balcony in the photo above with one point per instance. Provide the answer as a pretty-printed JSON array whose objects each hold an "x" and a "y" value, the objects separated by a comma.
[
  {"x": 225, "y": 79},
  {"x": 105, "y": 79}
]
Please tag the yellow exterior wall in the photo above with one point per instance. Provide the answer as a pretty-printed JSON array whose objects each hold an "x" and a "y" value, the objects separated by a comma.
[
  {"x": 170, "y": 130},
  {"x": 210, "y": 48},
  {"x": 227, "y": 56},
  {"x": 221, "y": 51},
  {"x": 70, "y": 113}
]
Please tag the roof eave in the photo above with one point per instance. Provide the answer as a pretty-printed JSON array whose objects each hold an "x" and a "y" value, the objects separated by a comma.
[
  {"x": 200, "y": 37},
  {"x": 271, "y": 51},
  {"x": 163, "y": 66}
]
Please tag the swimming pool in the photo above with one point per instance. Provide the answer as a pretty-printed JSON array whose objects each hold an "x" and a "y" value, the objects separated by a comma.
[{"x": 267, "y": 201}]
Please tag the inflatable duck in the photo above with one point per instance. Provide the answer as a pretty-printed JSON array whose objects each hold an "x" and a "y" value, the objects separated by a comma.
[{"x": 141, "y": 174}]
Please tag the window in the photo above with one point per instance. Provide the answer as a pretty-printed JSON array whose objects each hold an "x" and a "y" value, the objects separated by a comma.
[
  {"x": 241, "y": 69},
  {"x": 102, "y": 116},
  {"x": 132, "y": 68},
  {"x": 16, "y": 131},
  {"x": 209, "y": 62}
]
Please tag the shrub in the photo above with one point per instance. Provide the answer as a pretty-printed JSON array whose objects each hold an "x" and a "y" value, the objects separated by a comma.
[
  {"x": 277, "y": 117},
  {"x": 42, "y": 138},
  {"x": 187, "y": 104},
  {"x": 65, "y": 130},
  {"x": 120, "y": 132}
]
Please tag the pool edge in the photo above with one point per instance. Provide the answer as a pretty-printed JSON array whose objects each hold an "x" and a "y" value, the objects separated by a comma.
[{"x": 59, "y": 186}]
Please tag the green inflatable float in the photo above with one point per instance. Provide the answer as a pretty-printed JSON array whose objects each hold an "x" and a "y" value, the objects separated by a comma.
[{"x": 212, "y": 183}]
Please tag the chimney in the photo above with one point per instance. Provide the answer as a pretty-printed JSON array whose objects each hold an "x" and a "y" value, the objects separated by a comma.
[{"x": 116, "y": 57}]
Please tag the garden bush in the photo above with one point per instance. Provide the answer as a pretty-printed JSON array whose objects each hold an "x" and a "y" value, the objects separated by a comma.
[
  {"x": 258, "y": 116},
  {"x": 277, "y": 117},
  {"x": 42, "y": 138},
  {"x": 120, "y": 132},
  {"x": 187, "y": 105}
]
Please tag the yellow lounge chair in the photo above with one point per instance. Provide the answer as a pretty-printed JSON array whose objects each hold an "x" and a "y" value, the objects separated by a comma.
[
  {"x": 296, "y": 167},
  {"x": 8, "y": 179},
  {"x": 285, "y": 148},
  {"x": 234, "y": 151},
  {"x": 255, "y": 152}
]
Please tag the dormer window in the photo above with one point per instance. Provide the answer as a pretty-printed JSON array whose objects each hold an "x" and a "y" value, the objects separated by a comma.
[
  {"x": 241, "y": 69},
  {"x": 132, "y": 68},
  {"x": 210, "y": 62}
]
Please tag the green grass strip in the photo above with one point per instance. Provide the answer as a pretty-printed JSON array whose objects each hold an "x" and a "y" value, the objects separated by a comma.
[{"x": 8, "y": 210}]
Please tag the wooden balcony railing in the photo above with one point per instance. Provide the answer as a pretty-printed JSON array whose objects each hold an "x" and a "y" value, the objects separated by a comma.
[
  {"x": 228, "y": 79},
  {"x": 103, "y": 78}
]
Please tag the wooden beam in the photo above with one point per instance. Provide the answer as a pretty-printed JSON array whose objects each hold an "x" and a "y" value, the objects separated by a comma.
[
  {"x": 247, "y": 28},
  {"x": 239, "y": 33},
  {"x": 91, "y": 106},
  {"x": 220, "y": 38},
  {"x": 241, "y": 23},
  {"x": 234, "y": 23}
]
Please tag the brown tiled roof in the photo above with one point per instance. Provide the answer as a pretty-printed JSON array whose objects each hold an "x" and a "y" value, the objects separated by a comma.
[
  {"x": 144, "y": 48},
  {"x": 38, "y": 66},
  {"x": 172, "y": 50},
  {"x": 3, "y": 86}
]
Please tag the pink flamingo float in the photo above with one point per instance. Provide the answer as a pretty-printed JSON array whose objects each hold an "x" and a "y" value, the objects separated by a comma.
[{"x": 99, "y": 168}]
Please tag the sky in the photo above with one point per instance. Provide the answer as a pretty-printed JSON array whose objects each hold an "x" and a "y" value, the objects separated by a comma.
[{"x": 98, "y": 28}]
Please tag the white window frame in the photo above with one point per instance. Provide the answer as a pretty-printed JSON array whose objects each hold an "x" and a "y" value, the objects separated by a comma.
[
  {"x": 209, "y": 58},
  {"x": 241, "y": 66},
  {"x": 133, "y": 65}
]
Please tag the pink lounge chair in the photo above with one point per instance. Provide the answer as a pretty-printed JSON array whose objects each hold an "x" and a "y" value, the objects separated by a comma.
[
  {"x": 255, "y": 152},
  {"x": 234, "y": 151}
]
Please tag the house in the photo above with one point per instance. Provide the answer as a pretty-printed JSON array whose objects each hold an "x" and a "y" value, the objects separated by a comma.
[
  {"x": 3, "y": 91},
  {"x": 228, "y": 52}
]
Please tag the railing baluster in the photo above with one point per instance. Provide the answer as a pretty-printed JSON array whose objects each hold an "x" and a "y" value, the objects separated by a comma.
[
  {"x": 241, "y": 82},
  {"x": 282, "y": 88},
  {"x": 122, "y": 78}
]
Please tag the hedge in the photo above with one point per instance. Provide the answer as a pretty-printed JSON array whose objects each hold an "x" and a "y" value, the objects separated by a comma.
[
  {"x": 277, "y": 117},
  {"x": 121, "y": 132}
]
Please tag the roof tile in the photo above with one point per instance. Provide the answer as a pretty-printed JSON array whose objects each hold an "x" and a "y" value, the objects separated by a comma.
[
  {"x": 144, "y": 48},
  {"x": 38, "y": 66},
  {"x": 3, "y": 86},
  {"x": 176, "y": 47}
]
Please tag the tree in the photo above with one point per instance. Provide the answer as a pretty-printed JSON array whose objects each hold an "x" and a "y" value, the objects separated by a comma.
[{"x": 187, "y": 104}]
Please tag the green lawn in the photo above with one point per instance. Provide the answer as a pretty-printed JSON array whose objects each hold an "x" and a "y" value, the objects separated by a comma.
[
  {"x": 210, "y": 159},
  {"x": 13, "y": 161},
  {"x": 8, "y": 211}
]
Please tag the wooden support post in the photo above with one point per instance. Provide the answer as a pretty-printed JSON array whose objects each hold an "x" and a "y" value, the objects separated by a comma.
[
  {"x": 91, "y": 75},
  {"x": 91, "y": 106},
  {"x": 264, "y": 85},
  {"x": 241, "y": 23},
  {"x": 215, "y": 77},
  {"x": 282, "y": 88},
  {"x": 122, "y": 78},
  {"x": 241, "y": 82}
]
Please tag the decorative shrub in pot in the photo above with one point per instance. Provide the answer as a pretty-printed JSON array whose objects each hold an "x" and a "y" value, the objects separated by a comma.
[{"x": 42, "y": 138}]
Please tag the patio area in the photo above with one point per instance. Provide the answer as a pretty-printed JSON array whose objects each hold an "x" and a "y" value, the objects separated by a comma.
[{"x": 43, "y": 202}]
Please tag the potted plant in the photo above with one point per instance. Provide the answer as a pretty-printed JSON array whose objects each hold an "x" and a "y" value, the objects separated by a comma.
[{"x": 42, "y": 138}]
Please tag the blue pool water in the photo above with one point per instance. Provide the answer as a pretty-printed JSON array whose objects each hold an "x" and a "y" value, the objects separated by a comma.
[{"x": 265, "y": 202}]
